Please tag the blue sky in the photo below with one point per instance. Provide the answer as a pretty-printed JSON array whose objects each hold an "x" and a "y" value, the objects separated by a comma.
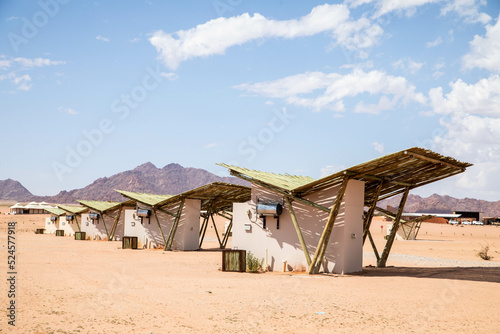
[{"x": 92, "y": 88}]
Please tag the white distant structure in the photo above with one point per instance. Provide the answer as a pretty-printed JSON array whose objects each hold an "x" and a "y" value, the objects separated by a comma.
[{"x": 30, "y": 208}]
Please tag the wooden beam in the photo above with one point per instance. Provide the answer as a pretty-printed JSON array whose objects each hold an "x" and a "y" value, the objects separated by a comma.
[
  {"x": 297, "y": 229},
  {"x": 115, "y": 224},
  {"x": 228, "y": 231},
  {"x": 325, "y": 236},
  {"x": 369, "y": 215},
  {"x": 167, "y": 212},
  {"x": 173, "y": 229},
  {"x": 280, "y": 191},
  {"x": 104, "y": 223},
  {"x": 387, "y": 249},
  {"x": 216, "y": 232},
  {"x": 76, "y": 221},
  {"x": 224, "y": 216},
  {"x": 373, "y": 246},
  {"x": 159, "y": 227},
  {"x": 205, "y": 224},
  {"x": 435, "y": 161}
]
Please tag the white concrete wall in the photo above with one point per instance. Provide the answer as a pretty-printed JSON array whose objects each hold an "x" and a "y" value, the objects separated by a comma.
[
  {"x": 50, "y": 226},
  {"x": 70, "y": 227},
  {"x": 96, "y": 230},
  {"x": 148, "y": 233},
  {"x": 344, "y": 252}
]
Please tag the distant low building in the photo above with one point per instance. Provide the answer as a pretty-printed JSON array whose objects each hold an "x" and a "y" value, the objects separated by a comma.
[
  {"x": 469, "y": 216},
  {"x": 30, "y": 208}
]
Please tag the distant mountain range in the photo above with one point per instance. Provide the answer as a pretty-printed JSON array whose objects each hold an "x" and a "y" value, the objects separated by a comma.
[
  {"x": 444, "y": 204},
  {"x": 174, "y": 179},
  {"x": 171, "y": 179}
]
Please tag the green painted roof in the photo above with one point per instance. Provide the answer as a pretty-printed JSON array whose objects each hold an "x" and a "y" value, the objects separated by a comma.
[
  {"x": 283, "y": 181},
  {"x": 219, "y": 196},
  {"x": 72, "y": 209},
  {"x": 101, "y": 206},
  {"x": 413, "y": 167},
  {"x": 149, "y": 199},
  {"x": 55, "y": 211}
]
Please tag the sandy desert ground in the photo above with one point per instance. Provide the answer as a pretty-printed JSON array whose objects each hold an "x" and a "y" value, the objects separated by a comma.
[{"x": 434, "y": 284}]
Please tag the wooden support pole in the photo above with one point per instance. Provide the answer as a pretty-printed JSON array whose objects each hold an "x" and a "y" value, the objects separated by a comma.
[
  {"x": 104, "y": 223},
  {"x": 205, "y": 221},
  {"x": 228, "y": 231},
  {"x": 173, "y": 230},
  {"x": 216, "y": 232},
  {"x": 115, "y": 224},
  {"x": 325, "y": 236},
  {"x": 167, "y": 212},
  {"x": 159, "y": 226},
  {"x": 223, "y": 215},
  {"x": 369, "y": 216},
  {"x": 209, "y": 211},
  {"x": 297, "y": 229},
  {"x": 388, "y": 245},
  {"x": 373, "y": 245},
  {"x": 76, "y": 221}
]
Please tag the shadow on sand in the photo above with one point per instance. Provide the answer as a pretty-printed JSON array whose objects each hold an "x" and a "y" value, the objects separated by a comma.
[{"x": 478, "y": 274}]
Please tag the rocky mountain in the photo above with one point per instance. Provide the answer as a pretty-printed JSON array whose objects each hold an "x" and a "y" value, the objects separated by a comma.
[
  {"x": 13, "y": 190},
  {"x": 444, "y": 204},
  {"x": 171, "y": 179},
  {"x": 174, "y": 179}
]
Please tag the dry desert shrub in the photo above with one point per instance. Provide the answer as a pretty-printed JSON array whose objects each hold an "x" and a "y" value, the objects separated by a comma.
[{"x": 483, "y": 253}]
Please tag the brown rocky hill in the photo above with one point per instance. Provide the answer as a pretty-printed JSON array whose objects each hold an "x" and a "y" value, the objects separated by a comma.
[
  {"x": 444, "y": 204},
  {"x": 171, "y": 179},
  {"x": 13, "y": 190}
]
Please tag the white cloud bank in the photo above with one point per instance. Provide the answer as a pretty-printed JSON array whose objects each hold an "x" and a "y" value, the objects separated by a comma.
[
  {"x": 485, "y": 51},
  {"x": 471, "y": 132},
  {"x": 10, "y": 68},
  {"x": 466, "y": 9},
  {"x": 215, "y": 36},
  {"x": 334, "y": 88}
]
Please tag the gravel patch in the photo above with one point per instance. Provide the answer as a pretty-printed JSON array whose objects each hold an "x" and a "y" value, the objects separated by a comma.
[{"x": 426, "y": 261}]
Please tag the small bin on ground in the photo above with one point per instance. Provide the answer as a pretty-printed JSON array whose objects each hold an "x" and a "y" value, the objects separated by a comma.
[
  {"x": 234, "y": 260},
  {"x": 129, "y": 242},
  {"x": 59, "y": 233},
  {"x": 80, "y": 235}
]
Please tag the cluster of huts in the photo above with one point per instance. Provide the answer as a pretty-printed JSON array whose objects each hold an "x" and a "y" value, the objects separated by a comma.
[{"x": 290, "y": 221}]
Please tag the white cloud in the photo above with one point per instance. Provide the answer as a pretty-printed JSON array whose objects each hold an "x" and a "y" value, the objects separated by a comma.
[
  {"x": 357, "y": 3},
  {"x": 11, "y": 18},
  {"x": 407, "y": 65},
  {"x": 481, "y": 98},
  {"x": 378, "y": 147},
  {"x": 407, "y": 6},
  {"x": 437, "y": 70},
  {"x": 68, "y": 111},
  {"x": 21, "y": 64},
  {"x": 467, "y": 9},
  {"x": 332, "y": 88},
  {"x": 331, "y": 169},
  {"x": 215, "y": 36},
  {"x": 170, "y": 76},
  {"x": 134, "y": 40},
  {"x": 23, "y": 82},
  {"x": 211, "y": 145},
  {"x": 485, "y": 51},
  {"x": 434, "y": 43},
  {"x": 470, "y": 132},
  {"x": 27, "y": 62},
  {"x": 102, "y": 38}
]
